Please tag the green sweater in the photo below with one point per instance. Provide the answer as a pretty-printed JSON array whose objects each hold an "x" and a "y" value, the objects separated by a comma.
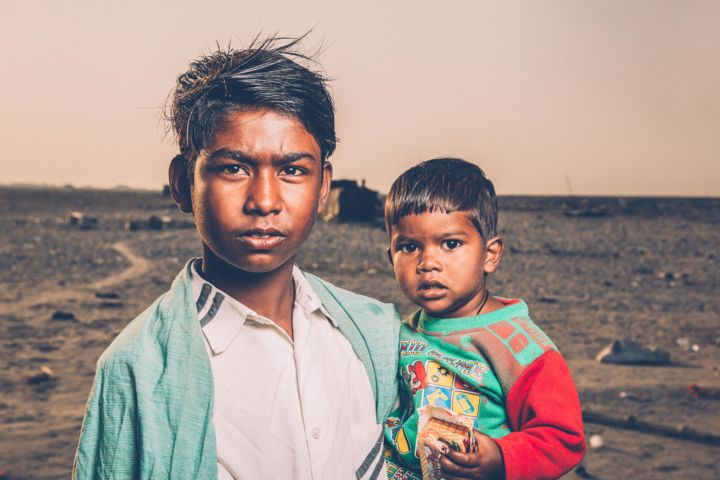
[
  {"x": 468, "y": 365},
  {"x": 150, "y": 409}
]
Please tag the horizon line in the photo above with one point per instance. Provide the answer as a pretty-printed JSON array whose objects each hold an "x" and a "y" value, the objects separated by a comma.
[{"x": 69, "y": 186}]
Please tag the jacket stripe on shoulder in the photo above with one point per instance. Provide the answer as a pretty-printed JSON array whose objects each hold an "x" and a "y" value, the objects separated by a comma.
[
  {"x": 217, "y": 301},
  {"x": 202, "y": 299}
]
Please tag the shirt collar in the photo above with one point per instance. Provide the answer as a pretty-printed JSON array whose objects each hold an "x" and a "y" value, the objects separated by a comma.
[
  {"x": 306, "y": 297},
  {"x": 222, "y": 317}
]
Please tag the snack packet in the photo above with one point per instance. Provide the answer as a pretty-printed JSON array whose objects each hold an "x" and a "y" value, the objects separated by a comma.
[{"x": 435, "y": 423}]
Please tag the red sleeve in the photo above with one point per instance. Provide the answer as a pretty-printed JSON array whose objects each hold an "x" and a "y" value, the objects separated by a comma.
[{"x": 543, "y": 407}]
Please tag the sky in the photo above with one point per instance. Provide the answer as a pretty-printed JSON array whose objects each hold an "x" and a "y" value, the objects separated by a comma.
[{"x": 614, "y": 97}]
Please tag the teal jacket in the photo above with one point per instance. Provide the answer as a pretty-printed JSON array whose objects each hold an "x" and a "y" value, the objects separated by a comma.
[{"x": 151, "y": 405}]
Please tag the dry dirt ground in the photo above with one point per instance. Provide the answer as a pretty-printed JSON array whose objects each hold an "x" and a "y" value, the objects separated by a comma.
[{"x": 648, "y": 269}]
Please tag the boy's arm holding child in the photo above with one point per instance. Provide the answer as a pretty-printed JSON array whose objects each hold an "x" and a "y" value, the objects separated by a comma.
[{"x": 547, "y": 439}]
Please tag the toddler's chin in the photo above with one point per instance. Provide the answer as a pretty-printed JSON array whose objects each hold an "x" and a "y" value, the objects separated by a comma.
[{"x": 434, "y": 310}]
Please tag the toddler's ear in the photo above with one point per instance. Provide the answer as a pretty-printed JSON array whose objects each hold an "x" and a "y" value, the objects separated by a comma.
[
  {"x": 493, "y": 253},
  {"x": 180, "y": 183},
  {"x": 389, "y": 255}
]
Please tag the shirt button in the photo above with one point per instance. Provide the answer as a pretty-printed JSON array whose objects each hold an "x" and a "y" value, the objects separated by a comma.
[{"x": 316, "y": 433}]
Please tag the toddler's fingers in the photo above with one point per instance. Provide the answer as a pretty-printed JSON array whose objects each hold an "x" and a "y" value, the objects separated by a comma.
[
  {"x": 451, "y": 470},
  {"x": 467, "y": 460}
]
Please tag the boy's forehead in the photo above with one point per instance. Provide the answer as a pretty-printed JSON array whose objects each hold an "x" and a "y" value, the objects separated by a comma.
[{"x": 262, "y": 130}]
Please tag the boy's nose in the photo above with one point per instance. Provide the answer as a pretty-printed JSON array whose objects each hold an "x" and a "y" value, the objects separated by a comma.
[{"x": 263, "y": 196}]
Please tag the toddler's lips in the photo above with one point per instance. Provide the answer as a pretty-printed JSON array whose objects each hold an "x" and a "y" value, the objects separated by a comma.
[
  {"x": 432, "y": 290},
  {"x": 261, "y": 239}
]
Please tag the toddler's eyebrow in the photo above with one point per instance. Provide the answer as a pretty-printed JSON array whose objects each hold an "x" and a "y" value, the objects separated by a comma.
[
  {"x": 441, "y": 235},
  {"x": 277, "y": 160},
  {"x": 402, "y": 238}
]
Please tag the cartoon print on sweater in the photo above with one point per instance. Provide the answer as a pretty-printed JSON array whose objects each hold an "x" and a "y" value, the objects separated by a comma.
[{"x": 416, "y": 376}]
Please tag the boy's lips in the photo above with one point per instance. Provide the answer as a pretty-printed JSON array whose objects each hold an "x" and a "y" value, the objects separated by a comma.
[
  {"x": 431, "y": 290},
  {"x": 261, "y": 238}
]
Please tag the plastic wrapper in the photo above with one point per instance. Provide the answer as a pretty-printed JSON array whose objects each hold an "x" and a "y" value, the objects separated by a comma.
[{"x": 435, "y": 423}]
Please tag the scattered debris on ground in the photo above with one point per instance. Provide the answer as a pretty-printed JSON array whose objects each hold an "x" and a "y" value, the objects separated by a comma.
[
  {"x": 631, "y": 422},
  {"x": 156, "y": 222},
  {"x": 629, "y": 352},
  {"x": 107, "y": 295},
  {"x": 628, "y": 396},
  {"x": 596, "y": 441},
  {"x": 62, "y": 316},
  {"x": 685, "y": 344},
  {"x": 44, "y": 374},
  {"x": 582, "y": 472},
  {"x": 703, "y": 392},
  {"x": 587, "y": 211},
  {"x": 80, "y": 220},
  {"x": 547, "y": 300}
]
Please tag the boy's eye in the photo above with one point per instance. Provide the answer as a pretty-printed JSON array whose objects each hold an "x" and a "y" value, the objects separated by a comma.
[
  {"x": 452, "y": 244},
  {"x": 407, "y": 248},
  {"x": 293, "y": 171},
  {"x": 232, "y": 169}
]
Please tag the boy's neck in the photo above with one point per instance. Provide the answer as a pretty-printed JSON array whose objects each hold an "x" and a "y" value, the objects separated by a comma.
[{"x": 269, "y": 294}]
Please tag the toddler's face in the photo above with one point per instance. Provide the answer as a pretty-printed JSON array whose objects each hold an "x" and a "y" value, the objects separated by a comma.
[{"x": 439, "y": 261}]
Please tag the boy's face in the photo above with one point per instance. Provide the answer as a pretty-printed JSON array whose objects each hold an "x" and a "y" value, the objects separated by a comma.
[
  {"x": 257, "y": 190},
  {"x": 440, "y": 262}
]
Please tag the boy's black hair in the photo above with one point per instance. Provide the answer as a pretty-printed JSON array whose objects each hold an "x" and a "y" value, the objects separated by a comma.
[
  {"x": 444, "y": 185},
  {"x": 268, "y": 74}
]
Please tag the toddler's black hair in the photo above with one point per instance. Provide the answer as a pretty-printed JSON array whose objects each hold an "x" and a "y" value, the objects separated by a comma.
[{"x": 444, "y": 185}]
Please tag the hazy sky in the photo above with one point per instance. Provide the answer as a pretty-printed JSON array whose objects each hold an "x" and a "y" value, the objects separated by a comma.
[{"x": 609, "y": 97}]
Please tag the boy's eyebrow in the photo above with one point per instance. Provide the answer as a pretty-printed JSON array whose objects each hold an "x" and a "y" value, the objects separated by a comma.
[
  {"x": 280, "y": 160},
  {"x": 277, "y": 160}
]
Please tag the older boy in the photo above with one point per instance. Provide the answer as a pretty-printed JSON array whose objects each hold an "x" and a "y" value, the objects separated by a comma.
[
  {"x": 468, "y": 351},
  {"x": 247, "y": 368}
]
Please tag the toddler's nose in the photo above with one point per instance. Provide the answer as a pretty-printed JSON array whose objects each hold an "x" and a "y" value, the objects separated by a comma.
[{"x": 428, "y": 263}]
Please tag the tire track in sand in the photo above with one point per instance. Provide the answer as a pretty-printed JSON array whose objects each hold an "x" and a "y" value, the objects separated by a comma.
[{"x": 138, "y": 266}]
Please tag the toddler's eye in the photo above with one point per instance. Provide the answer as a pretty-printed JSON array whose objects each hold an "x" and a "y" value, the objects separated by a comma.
[
  {"x": 408, "y": 248},
  {"x": 452, "y": 244}
]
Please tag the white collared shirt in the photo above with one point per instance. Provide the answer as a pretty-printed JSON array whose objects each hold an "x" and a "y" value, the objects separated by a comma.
[{"x": 287, "y": 408}]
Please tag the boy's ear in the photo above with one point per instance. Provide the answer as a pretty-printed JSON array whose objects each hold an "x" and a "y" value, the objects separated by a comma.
[
  {"x": 493, "y": 253},
  {"x": 327, "y": 173},
  {"x": 389, "y": 255},
  {"x": 180, "y": 183}
]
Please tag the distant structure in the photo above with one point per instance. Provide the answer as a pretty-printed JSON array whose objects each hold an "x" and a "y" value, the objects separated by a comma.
[
  {"x": 155, "y": 222},
  {"x": 82, "y": 221},
  {"x": 350, "y": 202}
]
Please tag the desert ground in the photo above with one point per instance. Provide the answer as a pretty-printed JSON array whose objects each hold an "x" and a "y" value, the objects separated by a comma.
[{"x": 640, "y": 268}]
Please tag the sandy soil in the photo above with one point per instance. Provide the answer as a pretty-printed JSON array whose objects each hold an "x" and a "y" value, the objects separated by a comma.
[{"x": 647, "y": 270}]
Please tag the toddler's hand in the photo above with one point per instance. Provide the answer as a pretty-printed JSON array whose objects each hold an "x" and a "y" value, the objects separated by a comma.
[{"x": 485, "y": 464}]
